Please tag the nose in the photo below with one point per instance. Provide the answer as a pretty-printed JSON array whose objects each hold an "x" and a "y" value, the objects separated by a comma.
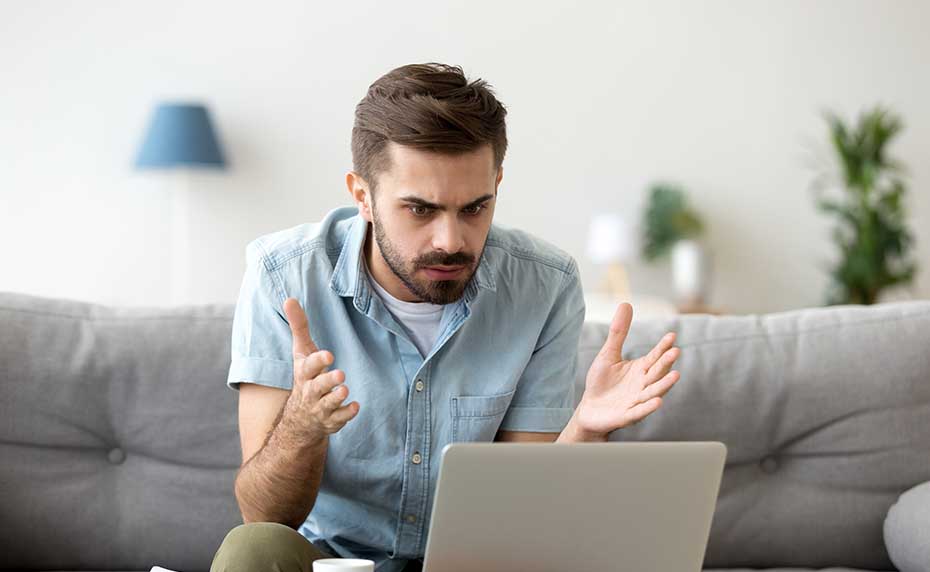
[{"x": 448, "y": 235}]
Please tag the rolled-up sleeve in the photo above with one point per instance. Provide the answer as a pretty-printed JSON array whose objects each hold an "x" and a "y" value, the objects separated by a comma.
[
  {"x": 261, "y": 345},
  {"x": 544, "y": 399}
]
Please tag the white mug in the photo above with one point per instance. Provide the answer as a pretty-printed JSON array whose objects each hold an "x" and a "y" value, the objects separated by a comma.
[{"x": 343, "y": 565}]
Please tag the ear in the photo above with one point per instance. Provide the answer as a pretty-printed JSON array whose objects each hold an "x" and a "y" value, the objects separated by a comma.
[
  {"x": 500, "y": 175},
  {"x": 361, "y": 195}
]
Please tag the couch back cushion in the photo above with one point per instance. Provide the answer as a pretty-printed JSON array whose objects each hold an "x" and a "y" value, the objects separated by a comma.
[
  {"x": 119, "y": 439},
  {"x": 118, "y": 436},
  {"x": 825, "y": 413}
]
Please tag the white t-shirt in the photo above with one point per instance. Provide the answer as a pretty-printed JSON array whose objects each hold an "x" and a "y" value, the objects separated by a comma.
[{"x": 421, "y": 319}]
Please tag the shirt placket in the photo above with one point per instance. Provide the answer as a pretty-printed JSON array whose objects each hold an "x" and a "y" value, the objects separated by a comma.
[
  {"x": 410, "y": 537},
  {"x": 416, "y": 466}
]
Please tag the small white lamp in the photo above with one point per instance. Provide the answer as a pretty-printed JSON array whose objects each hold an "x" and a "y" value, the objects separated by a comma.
[{"x": 613, "y": 241}]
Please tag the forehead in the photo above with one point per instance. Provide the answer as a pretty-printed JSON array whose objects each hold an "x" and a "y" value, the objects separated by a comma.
[{"x": 438, "y": 177}]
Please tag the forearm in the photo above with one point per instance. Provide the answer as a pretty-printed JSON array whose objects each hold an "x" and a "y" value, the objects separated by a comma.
[{"x": 280, "y": 483}]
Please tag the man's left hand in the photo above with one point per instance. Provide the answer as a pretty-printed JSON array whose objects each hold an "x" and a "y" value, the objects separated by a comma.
[{"x": 621, "y": 392}]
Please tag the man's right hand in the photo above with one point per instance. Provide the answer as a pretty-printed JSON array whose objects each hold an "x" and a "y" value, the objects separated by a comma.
[{"x": 314, "y": 408}]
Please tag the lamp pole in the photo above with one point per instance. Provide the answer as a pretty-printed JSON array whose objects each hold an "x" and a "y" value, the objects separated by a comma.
[{"x": 181, "y": 243}]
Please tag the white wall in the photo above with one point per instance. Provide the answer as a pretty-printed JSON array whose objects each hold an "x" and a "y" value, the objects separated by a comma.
[{"x": 603, "y": 98}]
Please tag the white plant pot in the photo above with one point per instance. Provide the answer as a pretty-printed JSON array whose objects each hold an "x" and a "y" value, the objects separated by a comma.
[{"x": 691, "y": 271}]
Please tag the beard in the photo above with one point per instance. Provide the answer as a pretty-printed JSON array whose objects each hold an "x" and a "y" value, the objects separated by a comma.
[{"x": 432, "y": 291}]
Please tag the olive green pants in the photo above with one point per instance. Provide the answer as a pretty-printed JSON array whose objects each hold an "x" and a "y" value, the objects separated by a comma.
[{"x": 271, "y": 547}]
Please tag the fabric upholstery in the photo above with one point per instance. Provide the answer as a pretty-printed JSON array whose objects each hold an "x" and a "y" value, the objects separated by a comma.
[
  {"x": 119, "y": 440},
  {"x": 118, "y": 436},
  {"x": 826, "y": 416}
]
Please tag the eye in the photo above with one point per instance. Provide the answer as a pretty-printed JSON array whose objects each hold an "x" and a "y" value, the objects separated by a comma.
[
  {"x": 475, "y": 209},
  {"x": 420, "y": 210}
]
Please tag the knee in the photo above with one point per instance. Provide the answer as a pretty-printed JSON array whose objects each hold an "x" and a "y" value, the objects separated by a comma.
[
  {"x": 259, "y": 546},
  {"x": 262, "y": 533}
]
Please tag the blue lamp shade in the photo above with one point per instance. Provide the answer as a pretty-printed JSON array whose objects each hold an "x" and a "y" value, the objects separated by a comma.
[{"x": 180, "y": 135}]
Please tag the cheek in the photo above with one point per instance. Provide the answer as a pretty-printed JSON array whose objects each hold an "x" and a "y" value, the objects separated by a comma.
[
  {"x": 410, "y": 243},
  {"x": 477, "y": 238},
  {"x": 399, "y": 231}
]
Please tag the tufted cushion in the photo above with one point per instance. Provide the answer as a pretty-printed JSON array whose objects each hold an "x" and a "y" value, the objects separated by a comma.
[
  {"x": 907, "y": 530},
  {"x": 826, "y": 416},
  {"x": 119, "y": 442},
  {"x": 118, "y": 438}
]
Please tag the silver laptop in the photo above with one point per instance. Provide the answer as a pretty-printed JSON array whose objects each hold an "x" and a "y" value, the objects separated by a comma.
[{"x": 589, "y": 507}]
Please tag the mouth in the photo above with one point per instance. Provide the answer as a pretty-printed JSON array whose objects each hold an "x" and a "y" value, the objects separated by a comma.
[{"x": 443, "y": 272}]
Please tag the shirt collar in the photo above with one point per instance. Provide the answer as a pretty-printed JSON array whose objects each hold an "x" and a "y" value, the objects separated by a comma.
[{"x": 349, "y": 275}]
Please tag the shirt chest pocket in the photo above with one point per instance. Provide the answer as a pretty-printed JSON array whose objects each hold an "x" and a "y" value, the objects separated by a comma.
[{"x": 477, "y": 417}]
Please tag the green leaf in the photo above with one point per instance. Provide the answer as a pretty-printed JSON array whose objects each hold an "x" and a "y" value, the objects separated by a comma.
[
  {"x": 666, "y": 220},
  {"x": 872, "y": 237}
]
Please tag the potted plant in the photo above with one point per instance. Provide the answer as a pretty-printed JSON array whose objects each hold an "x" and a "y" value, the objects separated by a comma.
[
  {"x": 671, "y": 226},
  {"x": 870, "y": 233}
]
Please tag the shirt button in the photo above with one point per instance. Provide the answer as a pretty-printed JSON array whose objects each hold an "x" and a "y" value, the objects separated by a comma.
[
  {"x": 411, "y": 518},
  {"x": 417, "y": 458},
  {"x": 419, "y": 385}
]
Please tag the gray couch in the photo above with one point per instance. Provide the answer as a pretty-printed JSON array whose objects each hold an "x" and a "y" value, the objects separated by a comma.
[{"x": 119, "y": 443}]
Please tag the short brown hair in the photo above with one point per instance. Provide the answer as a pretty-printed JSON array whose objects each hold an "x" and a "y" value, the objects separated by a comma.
[{"x": 429, "y": 106}]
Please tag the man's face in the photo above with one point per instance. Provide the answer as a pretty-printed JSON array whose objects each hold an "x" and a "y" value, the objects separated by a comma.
[{"x": 431, "y": 215}]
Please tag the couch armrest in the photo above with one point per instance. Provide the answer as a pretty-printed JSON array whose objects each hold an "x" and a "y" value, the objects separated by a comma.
[{"x": 907, "y": 530}]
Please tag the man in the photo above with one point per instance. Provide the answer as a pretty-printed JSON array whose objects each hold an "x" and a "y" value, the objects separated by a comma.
[{"x": 441, "y": 326}]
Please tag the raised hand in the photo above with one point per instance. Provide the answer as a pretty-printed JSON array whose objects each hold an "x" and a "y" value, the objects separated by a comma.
[
  {"x": 314, "y": 408},
  {"x": 621, "y": 392}
]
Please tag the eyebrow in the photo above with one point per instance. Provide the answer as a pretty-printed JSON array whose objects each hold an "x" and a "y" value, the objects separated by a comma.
[{"x": 423, "y": 203}]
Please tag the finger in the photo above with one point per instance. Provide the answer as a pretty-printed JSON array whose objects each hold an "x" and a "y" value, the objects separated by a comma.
[
  {"x": 313, "y": 365},
  {"x": 300, "y": 331},
  {"x": 332, "y": 400},
  {"x": 644, "y": 409},
  {"x": 344, "y": 414},
  {"x": 663, "y": 364},
  {"x": 662, "y": 386},
  {"x": 660, "y": 348},
  {"x": 619, "y": 328},
  {"x": 323, "y": 384}
]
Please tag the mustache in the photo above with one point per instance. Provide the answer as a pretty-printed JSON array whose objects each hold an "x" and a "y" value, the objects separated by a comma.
[{"x": 443, "y": 259}]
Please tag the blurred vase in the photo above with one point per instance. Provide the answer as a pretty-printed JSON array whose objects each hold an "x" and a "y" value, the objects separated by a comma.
[{"x": 691, "y": 271}]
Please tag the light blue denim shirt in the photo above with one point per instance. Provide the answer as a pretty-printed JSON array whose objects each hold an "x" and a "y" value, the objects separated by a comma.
[{"x": 505, "y": 359}]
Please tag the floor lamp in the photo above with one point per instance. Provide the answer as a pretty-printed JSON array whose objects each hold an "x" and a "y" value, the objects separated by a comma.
[{"x": 180, "y": 138}]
